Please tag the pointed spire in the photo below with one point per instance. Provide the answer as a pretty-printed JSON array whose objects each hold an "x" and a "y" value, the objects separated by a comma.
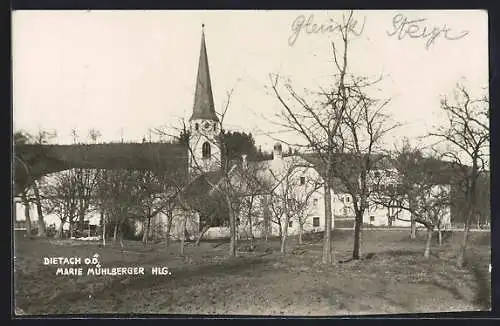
[{"x": 203, "y": 98}]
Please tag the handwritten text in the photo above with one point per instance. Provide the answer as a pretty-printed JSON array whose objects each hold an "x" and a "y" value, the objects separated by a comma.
[
  {"x": 309, "y": 27},
  {"x": 404, "y": 27}
]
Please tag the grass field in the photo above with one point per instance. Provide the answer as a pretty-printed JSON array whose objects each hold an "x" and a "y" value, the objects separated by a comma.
[{"x": 394, "y": 277}]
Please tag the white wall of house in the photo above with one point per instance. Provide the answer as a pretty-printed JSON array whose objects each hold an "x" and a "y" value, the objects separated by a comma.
[{"x": 159, "y": 225}]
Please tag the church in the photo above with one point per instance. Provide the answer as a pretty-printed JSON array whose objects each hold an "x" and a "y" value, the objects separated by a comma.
[
  {"x": 289, "y": 187},
  {"x": 282, "y": 194}
]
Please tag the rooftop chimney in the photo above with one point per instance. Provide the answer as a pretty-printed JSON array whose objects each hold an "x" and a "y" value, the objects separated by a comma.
[{"x": 244, "y": 162}]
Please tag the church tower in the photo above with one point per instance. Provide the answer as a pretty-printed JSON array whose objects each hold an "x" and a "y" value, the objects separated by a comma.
[{"x": 205, "y": 154}]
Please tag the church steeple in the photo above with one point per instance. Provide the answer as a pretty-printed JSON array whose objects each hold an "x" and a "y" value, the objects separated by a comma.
[{"x": 203, "y": 108}]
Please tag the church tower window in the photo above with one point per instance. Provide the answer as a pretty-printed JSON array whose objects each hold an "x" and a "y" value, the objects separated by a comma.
[
  {"x": 196, "y": 126},
  {"x": 206, "y": 150}
]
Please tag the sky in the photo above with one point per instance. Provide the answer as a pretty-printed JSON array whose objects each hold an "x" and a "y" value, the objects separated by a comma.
[{"x": 125, "y": 72}]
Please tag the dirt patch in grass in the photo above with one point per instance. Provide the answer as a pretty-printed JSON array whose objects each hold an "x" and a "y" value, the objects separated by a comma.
[{"x": 394, "y": 277}]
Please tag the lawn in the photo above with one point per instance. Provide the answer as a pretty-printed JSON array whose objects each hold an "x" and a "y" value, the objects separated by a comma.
[{"x": 394, "y": 277}]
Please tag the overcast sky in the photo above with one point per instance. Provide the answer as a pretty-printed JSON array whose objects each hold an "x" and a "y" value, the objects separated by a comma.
[{"x": 123, "y": 72}]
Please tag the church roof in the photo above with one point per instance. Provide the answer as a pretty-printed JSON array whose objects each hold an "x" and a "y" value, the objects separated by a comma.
[
  {"x": 203, "y": 98},
  {"x": 200, "y": 195}
]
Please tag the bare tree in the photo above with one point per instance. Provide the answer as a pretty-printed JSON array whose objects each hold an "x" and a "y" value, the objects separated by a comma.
[
  {"x": 156, "y": 194},
  {"x": 26, "y": 203},
  {"x": 466, "y": 136},
  {"x": 119, "y": 198},
  {"x": 359, "y": 141},
  {"x": 85, "y": 181},
  {"x": 41, "y": 138},
  {"x": 293, "y": 187},
  {"x": 415, "y": 188},
  {"x": 61, "y": 199},
  {"x": 318, "y": 121}
]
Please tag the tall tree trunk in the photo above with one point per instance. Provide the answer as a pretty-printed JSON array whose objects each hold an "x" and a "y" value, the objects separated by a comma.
[
  {"x": 120, "y": 230},
  {"x": 144, "y": 233},
  {"x": 328, "y": 255},
  {"x": 146, "y": 225},
  {"x": 183, "y": 234},
  {"x": 60, "y": 230},
  {"x": 250, "y": 221},
  {"x": 280, "y": 228},
  {"x": 285, "y": 234},
  {"x": 115, "y": 233},
  {"x": 201, "y": 234},
  {"x": 427, "y": 251},
  {"x": 150, "y": 232},
  {"x": 413, "y": 226},
  {"x": 463, "y": 247},
  {"x": 232, "y": 225},
  {"x": 71, "y": 228},
  {"x": 413, "y": 223},
  {"x": 471, "y": 211},
  {"x": 103, "y": 221},
  {"x": 267, "y": 215},
  {"x": 358, "y": 224},
  {"x": 81, "y": 213},
  {"x": 41, "y": 223},
  {"x": 301, "y": 231},
  {"x": 250, "y": 230},
  {"x": 27, "y": 215},
  {"x": 169, "y": 225}
]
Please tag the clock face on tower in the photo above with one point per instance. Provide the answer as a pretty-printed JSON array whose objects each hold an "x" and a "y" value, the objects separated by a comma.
[{"x": 206, "y": 126}]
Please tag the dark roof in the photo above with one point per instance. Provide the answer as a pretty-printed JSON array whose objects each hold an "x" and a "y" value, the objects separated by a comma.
[
  {"x": 203, "y": 98},
  {"x": 202, "y": 184},
  {"x": 199, "y": 194},
  {"x": 44, "y": 159}
]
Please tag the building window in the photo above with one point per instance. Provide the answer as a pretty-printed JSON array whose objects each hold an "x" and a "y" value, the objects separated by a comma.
[
  {"x": 347, "y": 199},
  {"x": 290, "y": 224},
  {"x": 372, "y": 218},
  {"x": 196, "y": 126},
  {"x": 315, "y": 202},
  {"x": 215, "y": 127},
  {"x": 206, "y": 151},
  {"x": 302, "y": 180},
  {"x": 345, "y": 211},
  {"x": 315, "y": 221}
]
